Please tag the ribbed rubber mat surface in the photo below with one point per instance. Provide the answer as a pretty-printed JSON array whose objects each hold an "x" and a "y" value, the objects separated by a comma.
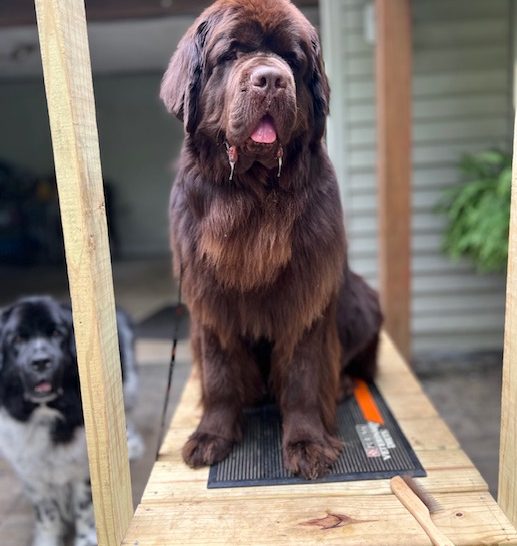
[{"x": 373, "y": 449}]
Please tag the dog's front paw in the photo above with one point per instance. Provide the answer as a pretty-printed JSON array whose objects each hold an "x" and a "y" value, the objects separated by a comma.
[
  {"x": 86, "y": 539},
  {"x": 204, "y": 449},
  {"x": 311, "y": 459}
]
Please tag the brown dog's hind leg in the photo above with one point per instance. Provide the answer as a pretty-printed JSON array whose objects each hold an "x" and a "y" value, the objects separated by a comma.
[
  {"x": 228, "y": 374},
  {"x": 359, "y": 321},
  {"x": 362, "y": 366}
]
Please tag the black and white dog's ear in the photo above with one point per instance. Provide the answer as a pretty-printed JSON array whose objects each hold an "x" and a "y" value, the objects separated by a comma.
[
  {"x": 66, "y": 309},
  {"x": 4, "y": 315},
  {"x": 2, "y": 323}
]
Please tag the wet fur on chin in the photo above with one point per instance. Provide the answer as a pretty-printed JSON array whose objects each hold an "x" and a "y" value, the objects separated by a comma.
[{"x": 275, "y": 309}]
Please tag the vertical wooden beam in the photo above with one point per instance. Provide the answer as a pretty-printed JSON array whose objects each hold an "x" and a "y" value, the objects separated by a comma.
[
  {"x": 393, "y": 75},
  {"x": 71, "y": 107},
  {"x": 507, "y": 495}
]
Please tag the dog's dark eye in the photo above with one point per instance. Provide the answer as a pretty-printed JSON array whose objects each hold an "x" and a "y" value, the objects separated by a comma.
[
  {"x": 56, "y": 333},
  {"x": 236, "y": 50},
  {"x": 230, "y": 55},
  {"x": 293, "y": 61}
]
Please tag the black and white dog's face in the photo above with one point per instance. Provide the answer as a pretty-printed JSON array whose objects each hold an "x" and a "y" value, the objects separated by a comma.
[
  {"x": 40, "y": 411},
  {"x": 37, "y": 349}
]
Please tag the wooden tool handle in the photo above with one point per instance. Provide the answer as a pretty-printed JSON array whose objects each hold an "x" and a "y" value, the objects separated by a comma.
[{"x": 418, "y": 510}]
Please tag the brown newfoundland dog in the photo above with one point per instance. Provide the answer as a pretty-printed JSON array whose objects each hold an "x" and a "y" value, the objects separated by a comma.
[{"x": 257, "y": 233}]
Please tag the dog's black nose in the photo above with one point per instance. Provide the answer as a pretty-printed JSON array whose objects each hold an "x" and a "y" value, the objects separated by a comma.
[
  {"x": 268, "y": 78},
  {"x": 40, "y": 364}
]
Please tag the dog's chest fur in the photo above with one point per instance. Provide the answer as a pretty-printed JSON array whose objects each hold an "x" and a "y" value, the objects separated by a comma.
[
  {"x": 245, "y": 242},
  {"x": 38, "y": 461}
]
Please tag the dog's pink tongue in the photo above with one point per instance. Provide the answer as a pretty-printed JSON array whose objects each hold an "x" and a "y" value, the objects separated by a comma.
[
  {"x": 43, "y": 387},
  {"x": 265, "y": 132}
]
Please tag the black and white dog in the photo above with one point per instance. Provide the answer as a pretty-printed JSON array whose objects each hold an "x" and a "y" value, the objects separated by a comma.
[{"x": 41, "y": 419}]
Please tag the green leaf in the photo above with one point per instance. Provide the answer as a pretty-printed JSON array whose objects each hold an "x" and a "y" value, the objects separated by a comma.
[{"x": 477, "y": 210}]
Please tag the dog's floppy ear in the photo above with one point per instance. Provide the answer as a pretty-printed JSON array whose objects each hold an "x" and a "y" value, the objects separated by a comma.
[
  {"x": 66, "y": 309},
  {"x": 320, "y": 89},
  {"x": 4, "y": 315},
  {"x": 181, "y": 83},
  {"x": 2, "y": 324}
]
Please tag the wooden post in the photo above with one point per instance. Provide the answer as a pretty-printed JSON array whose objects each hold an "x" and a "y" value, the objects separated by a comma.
[
  {"x": 71, "y": 107},
  {"x": 393, "y": 75},
  {"x": 507, "y": 496}
]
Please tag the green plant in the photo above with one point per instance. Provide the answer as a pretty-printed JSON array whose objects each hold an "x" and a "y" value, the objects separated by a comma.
[{"x": 478, "y": 211}]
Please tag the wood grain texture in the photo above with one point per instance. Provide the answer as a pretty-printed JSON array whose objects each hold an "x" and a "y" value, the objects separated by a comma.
[
  {"x": 449, "y": 471},
  {"x": 419, "y": 510},
  {"x": 467, "y": 519},
  {"x": 19, "y": 12},
  {"x": 393, "y": 84},
  {"x": 68, "y": 85},
  {"x": 508, "y": 450},
  {"x": 177, "y": 507}
]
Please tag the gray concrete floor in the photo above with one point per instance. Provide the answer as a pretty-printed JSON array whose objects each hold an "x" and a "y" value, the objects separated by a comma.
[
  {"x": 464, "y": 388},
  {"x": 466, "y": 391}
]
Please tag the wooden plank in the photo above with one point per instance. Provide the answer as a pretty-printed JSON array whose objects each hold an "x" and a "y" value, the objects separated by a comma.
[
  {"x": 430, "y": 62},
  {"x": 487, "y": 30},
  {"x": 69, "y": 89},
  {"x": 393, "y": 82},
  {"x": 284, "y": 521},
  {"x": 178, "y": 508},
  {"x": 441, "y": 108},
  {"x": 449, "y": 468},
  {"x": 493, "y": 79},
  {"x": 19, "y": 12},
  {"x": 429, "y": 156},
  {"x": 436, "y": 130},
  {"x": 445, "y": 11},
  {"x": 472, "y": 518},
  {"x": 508, "y": 451},
  {"x": 449, "y": 471}
]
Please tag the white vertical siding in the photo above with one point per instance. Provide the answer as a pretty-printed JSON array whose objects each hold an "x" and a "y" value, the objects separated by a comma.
[{"x": 461, "y": 103}]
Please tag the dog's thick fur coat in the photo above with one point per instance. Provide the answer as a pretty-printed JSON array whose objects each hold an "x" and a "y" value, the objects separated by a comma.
[{"x": 257, "y": 232}]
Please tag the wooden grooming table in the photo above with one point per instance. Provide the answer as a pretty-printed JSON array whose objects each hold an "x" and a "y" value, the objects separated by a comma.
[{"x": 177, "y": 507}]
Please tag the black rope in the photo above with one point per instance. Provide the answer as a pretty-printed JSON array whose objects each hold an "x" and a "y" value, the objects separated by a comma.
[{"x": 179, "y": 312}]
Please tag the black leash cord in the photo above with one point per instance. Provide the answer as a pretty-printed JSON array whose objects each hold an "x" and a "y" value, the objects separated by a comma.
[{"x": 178, "y": 315}]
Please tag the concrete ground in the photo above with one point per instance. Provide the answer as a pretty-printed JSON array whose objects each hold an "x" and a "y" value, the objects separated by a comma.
[
  {"x": 466, "y": 391},
  {"x": 464, "y": 388}
]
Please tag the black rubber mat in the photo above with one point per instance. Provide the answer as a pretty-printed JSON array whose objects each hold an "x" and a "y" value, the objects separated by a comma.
[{"x": 375, "y": 447}]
